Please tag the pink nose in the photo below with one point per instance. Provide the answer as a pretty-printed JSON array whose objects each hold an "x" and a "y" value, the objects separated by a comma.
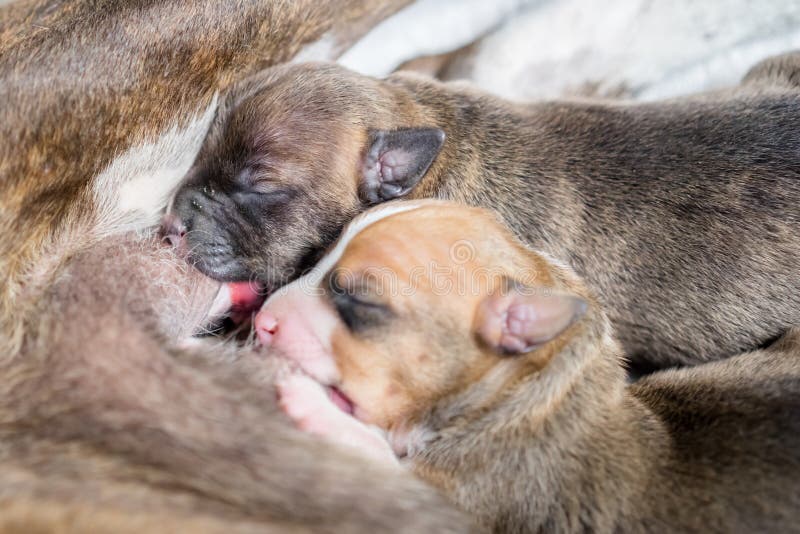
[
  {"x": 172, "y": 229},
  {"x": 266, "y": 326}
]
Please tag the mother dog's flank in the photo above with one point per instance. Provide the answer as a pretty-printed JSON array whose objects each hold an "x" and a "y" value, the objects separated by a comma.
[
  {"x": 681, "y": 215},
  {"x": 509, "y": 393}
]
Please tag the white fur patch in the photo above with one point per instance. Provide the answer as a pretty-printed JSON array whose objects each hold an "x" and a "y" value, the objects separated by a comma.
[
  {"x": 726, "y": 67},
  {"x": 132, "y": 192},
  {"x": 356, "y": 226},
  {"x": 324, "y": 49}
]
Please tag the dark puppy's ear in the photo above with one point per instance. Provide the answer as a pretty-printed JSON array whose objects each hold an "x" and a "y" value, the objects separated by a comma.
[
  {"x": 397, "y": 160},
  {"x": 520, "y": 319}
]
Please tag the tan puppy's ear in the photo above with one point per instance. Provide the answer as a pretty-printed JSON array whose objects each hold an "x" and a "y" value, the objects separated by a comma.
[
  {"x": 520, "y": 319},
  {"x": 397, "y": 160}
]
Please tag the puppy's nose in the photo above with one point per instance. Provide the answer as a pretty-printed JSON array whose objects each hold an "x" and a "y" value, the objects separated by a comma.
[
  {"x": 172, "y": 229},
  {"x": 266, "y": 326}
]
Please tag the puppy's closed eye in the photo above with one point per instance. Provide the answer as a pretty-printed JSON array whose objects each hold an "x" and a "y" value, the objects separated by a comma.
[
  {"x": 248, "y": 176},
  {"x": 356, "y": 306},
  {"x": 253, "y": 180},
  {"x": 273, "y": 193}
]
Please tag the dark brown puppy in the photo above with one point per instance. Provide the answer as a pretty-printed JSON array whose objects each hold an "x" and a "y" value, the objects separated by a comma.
[
  {"x": 682, "y": 215},
  {"x": 105, "y": 104},
  {"x": 106, "y": 426},
  {"x": 497, "y": 377}
]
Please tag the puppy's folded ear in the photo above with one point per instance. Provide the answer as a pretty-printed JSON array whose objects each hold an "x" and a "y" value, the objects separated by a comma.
[
  {"x": 397, "y": 160},
  {"x": 520, "y": 319}
]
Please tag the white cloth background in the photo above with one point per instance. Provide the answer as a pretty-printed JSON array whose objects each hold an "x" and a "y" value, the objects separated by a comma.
[{"x": 546, "y": 48}]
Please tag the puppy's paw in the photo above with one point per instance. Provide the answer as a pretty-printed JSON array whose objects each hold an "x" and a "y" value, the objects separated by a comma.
[{"x": 308, "y": 404}]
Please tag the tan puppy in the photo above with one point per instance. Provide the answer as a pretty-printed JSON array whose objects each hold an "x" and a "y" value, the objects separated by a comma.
[{"x": 497, "y": 378}]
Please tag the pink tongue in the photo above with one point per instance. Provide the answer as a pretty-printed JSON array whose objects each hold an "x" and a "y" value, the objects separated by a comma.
[
  {"x": 246, "y": 296},
  {"x": 340, "y": 400}
]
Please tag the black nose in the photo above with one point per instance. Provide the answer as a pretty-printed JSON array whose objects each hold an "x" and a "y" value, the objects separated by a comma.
[{"x": 172, "y": 229}]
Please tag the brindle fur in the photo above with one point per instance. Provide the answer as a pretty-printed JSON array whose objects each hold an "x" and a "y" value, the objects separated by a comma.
[{"x": 682, "y": 214}]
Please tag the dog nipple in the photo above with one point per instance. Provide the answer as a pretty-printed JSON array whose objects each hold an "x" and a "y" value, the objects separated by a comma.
[{"x": 172, "y": 229}]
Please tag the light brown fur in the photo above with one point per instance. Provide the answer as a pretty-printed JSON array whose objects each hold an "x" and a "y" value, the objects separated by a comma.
[{"x": 552, "y": 438}]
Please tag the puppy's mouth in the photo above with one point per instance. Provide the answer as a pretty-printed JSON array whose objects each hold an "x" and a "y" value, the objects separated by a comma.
[
  {"x": 335, "y": 395},
  {"x": 233, "y": 308},
  {"x": 246, "y": 299},
  {"x": 341, "y": 400}
]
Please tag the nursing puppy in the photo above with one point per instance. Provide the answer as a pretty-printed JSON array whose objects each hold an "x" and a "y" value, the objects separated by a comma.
[
  {"x": 112, "y": 422},
  {"x": 681, "y": 215},
  {"x": 498, "y": 379},
  {"x": 105, "y": 105}
]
